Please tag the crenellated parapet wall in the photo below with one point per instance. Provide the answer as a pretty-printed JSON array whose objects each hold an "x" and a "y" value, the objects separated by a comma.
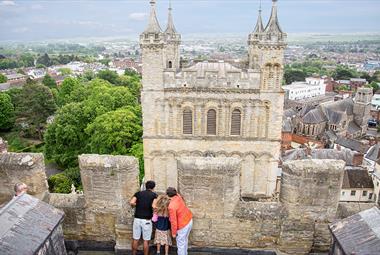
[
  {"x": 22, "y": 167},
  {"x": 223, "y": 217}
]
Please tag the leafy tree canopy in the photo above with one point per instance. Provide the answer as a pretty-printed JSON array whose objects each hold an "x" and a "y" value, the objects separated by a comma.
[
  {"x": 3, "y": 78},
  {"x": 114, "y": 132},
  {"x": 48, "y": 81},
  {"x": 7, "y": 113}
]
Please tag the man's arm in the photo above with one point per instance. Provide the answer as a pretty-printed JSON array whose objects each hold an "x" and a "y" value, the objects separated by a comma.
[
  {"x": 133, "y": 201},
  {"x": 173, "y": 221},
  {"x": 154, "y": 204}
]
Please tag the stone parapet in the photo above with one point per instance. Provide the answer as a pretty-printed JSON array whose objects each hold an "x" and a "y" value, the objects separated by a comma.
[{"x": 22, "y": 167}]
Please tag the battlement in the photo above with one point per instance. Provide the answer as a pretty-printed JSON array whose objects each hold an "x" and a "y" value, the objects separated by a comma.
[{"x": 212, "y": 75}]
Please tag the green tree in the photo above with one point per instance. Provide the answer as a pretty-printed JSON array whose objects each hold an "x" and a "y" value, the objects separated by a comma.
[
  {"x": 114, "y": 132},
  {"x": 343, "y": 73},
  {"x": 65, "y": 90},
  {"x": 65, "y": 138},
  {"x": 88, "y": 75},
  {"x": 108, "y": 75},
  {"x": 59, "y": 183},
  {"x": 37, "y": 105},
  {"x": 374, "y": 85},
  {"x": 3, "y": 78},
  {"x": 7, "y": 114},
  {"x": 137, "y": 150},
  {"x": 44, "y": 60},
  {"x": 130, "y": 72},
  {"x": 292, "y": 75},
  {"x": 105, "y": 61},
  {"x": 27, "y": 59},
  {"x": 48, "y": 81},
  {"x": 132, "y": 82},
  {"x": 65, "y": 71}
]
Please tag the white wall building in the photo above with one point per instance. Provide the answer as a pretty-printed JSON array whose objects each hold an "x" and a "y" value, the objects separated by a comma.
[
  {"x": 375, "y": 103},
  {"x": 357, "y": 186},
  {"x": 312, "y": 87}
]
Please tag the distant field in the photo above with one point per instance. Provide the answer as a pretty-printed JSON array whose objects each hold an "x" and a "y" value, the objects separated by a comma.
[{"x": 311, "y": 38}]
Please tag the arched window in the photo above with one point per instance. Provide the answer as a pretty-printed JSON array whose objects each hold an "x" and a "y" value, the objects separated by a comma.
[
  {"x": 170, "y": 64},
  {"x": 187, "y": 122},
  {"x": 211, "y": 122},
  {"x": 236, "y": 122}
]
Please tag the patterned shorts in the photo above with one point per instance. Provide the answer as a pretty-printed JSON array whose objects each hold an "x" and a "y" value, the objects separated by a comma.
[{"x": 163, "y": 237}]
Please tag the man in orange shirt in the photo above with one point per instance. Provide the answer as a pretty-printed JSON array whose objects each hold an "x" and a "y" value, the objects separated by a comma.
[{"x": 181, "y": 220}]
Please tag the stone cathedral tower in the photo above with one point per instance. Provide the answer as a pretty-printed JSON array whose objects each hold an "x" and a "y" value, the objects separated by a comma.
[{"x": 213, "y": 109}]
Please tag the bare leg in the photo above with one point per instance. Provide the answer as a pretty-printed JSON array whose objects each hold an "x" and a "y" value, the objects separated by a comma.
[
  {"x": 146, "y": 247},
  {"x": 135, "y": 245},
  {"x": 167, "y": 249},
  {"x": 158, "y": 248}
]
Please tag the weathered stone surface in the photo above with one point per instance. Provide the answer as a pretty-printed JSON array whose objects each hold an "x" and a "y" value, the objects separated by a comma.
[
  {"x": 311, "y": 188},
  {"x": 346, "y": 209},
  {"x": 22, "y": 167}
]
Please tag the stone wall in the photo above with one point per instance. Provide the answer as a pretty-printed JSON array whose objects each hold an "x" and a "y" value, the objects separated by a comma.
[
  {"x": 295, "y": 224},
  {"x": 22, "y": 167}
]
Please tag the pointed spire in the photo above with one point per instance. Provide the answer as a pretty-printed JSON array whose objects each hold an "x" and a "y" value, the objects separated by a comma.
[
  {"x": 153, "y": 26},
  {"x": 273, "y": 24},
  {"x": 170, "y": 28},
  {"x": 259, "y": 25}
]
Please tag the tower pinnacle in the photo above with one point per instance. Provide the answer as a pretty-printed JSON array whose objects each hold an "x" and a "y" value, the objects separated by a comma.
[
  {"x": 273, "y": 25},
  {"x": 170, "y": 28},
  {"x": 153, "y": 25},
  {"x": 259, "y": 25}
]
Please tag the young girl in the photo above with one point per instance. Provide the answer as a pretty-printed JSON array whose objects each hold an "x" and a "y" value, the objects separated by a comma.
[{"x": 162, "y": 236}]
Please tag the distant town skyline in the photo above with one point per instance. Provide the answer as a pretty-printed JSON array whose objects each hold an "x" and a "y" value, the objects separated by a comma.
[{"x": 33, "y": 20}]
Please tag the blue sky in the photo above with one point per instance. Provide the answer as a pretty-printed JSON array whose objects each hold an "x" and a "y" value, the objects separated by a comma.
[{"x": 57, "y": 19}]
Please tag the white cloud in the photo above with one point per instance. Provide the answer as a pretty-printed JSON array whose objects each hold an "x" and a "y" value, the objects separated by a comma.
[
  {"x": 7, "y": 3},
  {"x": 138, "y": 16}
]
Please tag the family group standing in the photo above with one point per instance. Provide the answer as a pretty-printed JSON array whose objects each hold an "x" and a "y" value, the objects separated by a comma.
[{"x": 170, "y": 215}]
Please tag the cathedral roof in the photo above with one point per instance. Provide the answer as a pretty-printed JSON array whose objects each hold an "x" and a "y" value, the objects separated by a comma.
[
  {"x": 345, "y": 105},
  {"x": 220, "y": 68},
  {"x": 153, "y": 25},
  {"x": 273, "y": 25},
  {"x": 314, "y": 116}
]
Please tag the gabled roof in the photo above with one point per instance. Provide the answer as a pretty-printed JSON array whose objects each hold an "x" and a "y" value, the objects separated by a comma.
[
  {"x": 359, "y": 233},
  {"x": 357, "y": 179},
  {"x": 353, "y": 128},
  {"x": 334, "y": 117},
  {"x": 345, "y": 105},
  {"x": 314, "y": 116},
  {"x": 373, "y": 153},
  {"x": 352, "y": 144},
  {"x": 26, "y": 223}
]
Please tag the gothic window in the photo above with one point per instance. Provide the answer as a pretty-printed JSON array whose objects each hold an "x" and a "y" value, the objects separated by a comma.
[
  {"x": 187, "y": 119},
  {"x": 211, "y": 122},
  {"x": 170, "y": 64},
  {"x": 236, "y": 122}
]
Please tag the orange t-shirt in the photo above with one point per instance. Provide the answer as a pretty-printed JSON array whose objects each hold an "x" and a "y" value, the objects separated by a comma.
[{"x": 179, "y": 214}]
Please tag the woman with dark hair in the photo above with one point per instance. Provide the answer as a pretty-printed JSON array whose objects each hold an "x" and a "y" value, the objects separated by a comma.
[{"x": 181, "y": 220}]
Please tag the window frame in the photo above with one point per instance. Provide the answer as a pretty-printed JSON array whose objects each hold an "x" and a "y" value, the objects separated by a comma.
[{"x": 215, "y": 126}]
